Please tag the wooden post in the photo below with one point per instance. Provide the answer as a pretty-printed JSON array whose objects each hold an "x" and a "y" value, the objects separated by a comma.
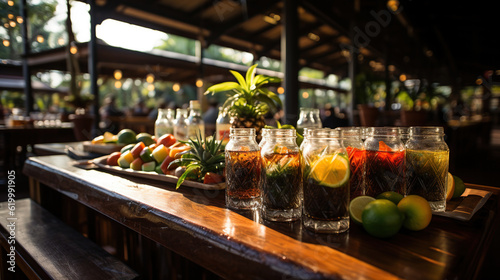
[
  {"x": 290, "y": 60},
  {"x": 28, "y": 90},
  {"x": 92, "y": 68}
]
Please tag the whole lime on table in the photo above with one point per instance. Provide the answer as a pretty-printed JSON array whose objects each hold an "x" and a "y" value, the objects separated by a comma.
[
  {"x": 392, "y": 196},
  {"x": 459, "y": 187},
  {"x": 382, "y": 218},
  {"x": 126, "y": 136},
  {"x": 417, "y": 212}
]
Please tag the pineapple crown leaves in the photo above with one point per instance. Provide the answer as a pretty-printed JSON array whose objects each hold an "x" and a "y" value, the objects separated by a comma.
[
  {"x": 205, "y": 156},
  {"x": 248, "y": 97}
]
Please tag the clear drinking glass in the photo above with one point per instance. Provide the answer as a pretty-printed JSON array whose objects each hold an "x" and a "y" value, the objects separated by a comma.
[
  {"x": 355, "y": 149},
  {"x": 282, "y": 176},
  {"x": 326, "y": 182},
  {"x": 243, "y": 170},
  {"x": 427, "y": 161},
  {"x": 385, "y": 157}
]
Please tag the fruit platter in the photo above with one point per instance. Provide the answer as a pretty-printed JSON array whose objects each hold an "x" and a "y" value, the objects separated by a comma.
[{"x": 197, "y": 163}]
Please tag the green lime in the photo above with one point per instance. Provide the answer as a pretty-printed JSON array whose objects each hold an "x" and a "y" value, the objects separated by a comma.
[
  {"x": 459, "y": 187},
  {"x": 145, "y": 138},
  {"x": 392, "y": 196},
  {"x": 126, "y": 136},
  {"x": 126, "y": 148},
  {"x": 381, "y": 218},
  {"x": 357, "y": 206}
]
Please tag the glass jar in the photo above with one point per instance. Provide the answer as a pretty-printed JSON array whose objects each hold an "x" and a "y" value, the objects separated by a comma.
[
  {"x": 385, "y": 157},
  {"x": 164, "y": 124},
  {"x": 306, "y": 120},
  {"x": 325, "y": 182},
  {"x": 427, "y": 161},
  {"x": 195, "y": 123},
  {"x": 223, "y": 126},
  {"x": 243, "y": 170},
  {"x": 404, "y": 132},
  {"x": 316, "y": 118},
  {"x": 282, "y": 176},
  {"x": 265, "y": 133},
  {"x": 180, "y": 125},
  {"x": 355, "y": 149}
]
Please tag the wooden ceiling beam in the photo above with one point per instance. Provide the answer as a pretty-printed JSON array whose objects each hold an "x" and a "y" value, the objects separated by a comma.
[{"x": 252, "y": 10}]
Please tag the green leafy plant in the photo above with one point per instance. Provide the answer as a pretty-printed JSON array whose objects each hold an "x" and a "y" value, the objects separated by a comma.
[
  {"x": 206, "y": 155},
  {"x": 248, "y": 99}
]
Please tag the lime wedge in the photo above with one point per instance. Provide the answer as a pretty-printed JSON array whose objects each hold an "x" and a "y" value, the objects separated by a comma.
[{"x": 357, "y": 206}]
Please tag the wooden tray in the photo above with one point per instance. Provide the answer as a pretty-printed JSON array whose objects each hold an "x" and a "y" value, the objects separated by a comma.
[
  {"x": 101, "y": 148},
  {"x": 101, "y": 162}
]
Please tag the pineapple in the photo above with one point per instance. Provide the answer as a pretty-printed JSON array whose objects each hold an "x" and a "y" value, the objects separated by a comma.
[
  {"x": 248, "y": 100},
  {"x": 205, "y": 156}
]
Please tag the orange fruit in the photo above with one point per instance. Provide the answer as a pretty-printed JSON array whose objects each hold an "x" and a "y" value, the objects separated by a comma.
[{"x": 417, "y": 212}]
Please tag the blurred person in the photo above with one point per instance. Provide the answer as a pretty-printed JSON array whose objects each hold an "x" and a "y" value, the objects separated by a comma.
[
  {"x": 107, "y": 112},
  {"x": 140, "y": 109}
]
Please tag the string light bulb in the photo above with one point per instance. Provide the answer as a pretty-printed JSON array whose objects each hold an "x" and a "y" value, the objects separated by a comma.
[
  {"x": 199, "y": 83},
  {"x": 305, "y": 94},
  {"x": 402, "y": 77},
  {"x": 73, "y": 49},
  {"x": 176, "y": 87},
  {"x": 281, "y": 90},
  {"x": 118, "y": 74},
  {"x": 150, "y": 78},
  {"x": 6, "y": 42},
  {"x": 10, "y": 3},
  {"x": 40, "y": 39},
  {"x": 118, "y": 84},
  {"x": 20, "y": 19}
]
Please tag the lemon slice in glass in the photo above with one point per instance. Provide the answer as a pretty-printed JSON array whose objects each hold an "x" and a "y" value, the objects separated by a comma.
[{"x": 331, "y": 170}]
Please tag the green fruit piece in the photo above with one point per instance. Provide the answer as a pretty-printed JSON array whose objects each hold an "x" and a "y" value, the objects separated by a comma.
[
  {"x": 146, "y": 155},
  {"x": 459, "y": 187},
  {"x": 126, "y": 136},
  {"x": 357, "y": 206},
  {"x": 381, "y": 218},
  {"x": 149, "y": 166},
  {"x": 158, "y": 169},
  {"x": 127, "y": 148},
  {"x": 392, "y": 196},
  {"x": 145, "y": 138}
]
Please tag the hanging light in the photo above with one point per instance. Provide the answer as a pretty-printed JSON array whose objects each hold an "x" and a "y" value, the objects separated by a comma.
[
  {"x": 10, "y": 3},
  {"x": 60, "y": 41},
  {"x": 393, "y": 5},
  {"x": 150, "y": 78},
  {"x": 281, "y": 90},
  {"x": 40, "y": 39},
  {"x": 402, "y": 77},
  {"x": 176, "y": 87},
  {"x": 6, "y": 42},
  {"x": 118, "y": 74},
  {"x": 73, "y": 49},
  {"x": 118, "y": 84},
  {"x": 305, "y": 95},
  {"x": 199, "y": 83},
  {"x": 151, "y": 87},
  {"x": 19, "y": 19},
  {"x": 11, "y": 16},
  {"x": 479, "y": 81},
  {"x": 12, "y": 23}
]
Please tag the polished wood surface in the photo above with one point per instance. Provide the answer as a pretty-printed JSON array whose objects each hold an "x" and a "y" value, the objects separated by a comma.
[
  {"x": 46, "y": 248},
  {"x": 195, "y": 224}
]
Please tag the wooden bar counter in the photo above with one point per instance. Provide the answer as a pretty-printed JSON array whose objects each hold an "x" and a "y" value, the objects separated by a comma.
[{"x": 240, "y": 245}]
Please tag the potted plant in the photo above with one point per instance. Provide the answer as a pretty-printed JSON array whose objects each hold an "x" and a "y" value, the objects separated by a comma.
[{"x": 248, "y": 99}]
